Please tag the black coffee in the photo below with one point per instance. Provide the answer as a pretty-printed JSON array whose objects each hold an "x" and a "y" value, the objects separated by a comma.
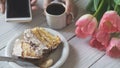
[{"x": 55, "y": 9}]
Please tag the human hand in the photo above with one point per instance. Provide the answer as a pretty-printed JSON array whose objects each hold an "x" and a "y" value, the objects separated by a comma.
[
  {"x": 33, "y": 4},
  {"x": 2, "y": 5},
  {"x": 69, "y": 8}
]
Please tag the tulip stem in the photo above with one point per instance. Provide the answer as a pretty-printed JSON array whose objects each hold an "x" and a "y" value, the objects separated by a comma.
[
  {"x": 101, "y": 4},
  {"x": 116, "y": 7}
]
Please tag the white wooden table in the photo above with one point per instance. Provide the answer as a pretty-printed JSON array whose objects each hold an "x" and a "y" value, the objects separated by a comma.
[{"x": 81, "y": 54}]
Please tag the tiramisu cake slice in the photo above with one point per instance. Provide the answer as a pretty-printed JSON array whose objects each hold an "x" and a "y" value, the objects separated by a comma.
[{"x": 35, "y": 43}]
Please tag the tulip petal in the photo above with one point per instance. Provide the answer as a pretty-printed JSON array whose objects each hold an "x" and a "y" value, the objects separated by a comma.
[
  {"x": 83, "y": 20},
  {"x": 114, "y": 48},
  {"x": 79, "y": 33},
  {"x": 103, "y": 37},
  {"x": 118, "y": 23},
  {"x": 87, "y": 25},
  {"x": 108, "y": 27},
  {"x": 92, "y": 26},
  {"x": 96, "y": 44},
  {"x": 109, "y": 21}
]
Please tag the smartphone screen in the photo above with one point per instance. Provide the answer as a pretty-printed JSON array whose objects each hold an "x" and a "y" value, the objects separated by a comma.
[{"x": 18, "y": 9}]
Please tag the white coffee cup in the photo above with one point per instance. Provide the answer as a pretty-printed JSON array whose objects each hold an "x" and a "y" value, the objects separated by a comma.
[{"x": 56, "y": 15}]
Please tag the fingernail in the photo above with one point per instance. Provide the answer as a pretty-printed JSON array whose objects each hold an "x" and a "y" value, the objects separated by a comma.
[
  {"x": 0, "y": 8},
  {"x": 72, "y": 15}
]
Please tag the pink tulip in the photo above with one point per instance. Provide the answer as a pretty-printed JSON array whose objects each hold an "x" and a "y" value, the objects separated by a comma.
[
  {"x": 118, "y": 24},
  {"x": 86, "y": 25},
  {"x": 114, "y": 48},
  {"x": 100, "y": 40},
  {"x": 96, "y": 44},
  {"x": 109, "y": 22},
  {"x": 79, "y": 33},
  {"x": 103, "y": 37}
]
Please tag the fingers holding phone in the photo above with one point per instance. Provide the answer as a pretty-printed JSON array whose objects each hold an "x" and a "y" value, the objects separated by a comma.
[
  {"x": 33, "y": 4},
  {"x": 2, "y": 6}
]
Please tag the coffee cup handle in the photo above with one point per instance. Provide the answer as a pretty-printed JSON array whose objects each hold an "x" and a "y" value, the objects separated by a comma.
[{"x": 69, "y": 18}]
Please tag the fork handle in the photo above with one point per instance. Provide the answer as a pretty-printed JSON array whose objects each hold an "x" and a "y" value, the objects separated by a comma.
[{"x": 9, "y": 59}]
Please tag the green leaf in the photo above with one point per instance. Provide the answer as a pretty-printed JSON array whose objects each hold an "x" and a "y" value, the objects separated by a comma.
[
  {"x": 90, "y": 6},
  {"x": 117, "y": 2},
  {"x": 96, "y": 4},
  {"x": 109, "y": 5},
  {"x": 101, "y": 9},
  {"x": 112, "y": 4},
  {"x": 118, "y": 9}
]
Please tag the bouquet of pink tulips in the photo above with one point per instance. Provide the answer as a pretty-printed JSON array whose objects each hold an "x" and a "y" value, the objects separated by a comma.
[{"x": 105, "y": 31}]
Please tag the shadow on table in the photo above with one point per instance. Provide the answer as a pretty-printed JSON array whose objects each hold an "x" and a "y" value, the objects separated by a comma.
[{"x": 72, "y": 59}]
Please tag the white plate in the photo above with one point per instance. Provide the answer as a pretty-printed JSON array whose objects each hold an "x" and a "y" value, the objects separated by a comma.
[{"x": 59, "y": 56}]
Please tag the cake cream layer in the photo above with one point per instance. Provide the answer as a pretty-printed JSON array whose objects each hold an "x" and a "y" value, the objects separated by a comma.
[{"x": 35, "y": 43}]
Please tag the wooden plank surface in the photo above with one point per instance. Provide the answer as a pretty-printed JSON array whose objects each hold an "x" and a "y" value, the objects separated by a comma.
[
  {"x": 81, "y": 54},
  {"x": 107, "y": 62}
]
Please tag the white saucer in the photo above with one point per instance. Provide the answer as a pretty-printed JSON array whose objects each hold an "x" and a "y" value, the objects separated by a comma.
[{"x": 59, "y": 56}]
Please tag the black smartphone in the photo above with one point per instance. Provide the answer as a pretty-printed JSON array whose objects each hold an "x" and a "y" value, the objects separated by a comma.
[{"x": 18, "y": 10}]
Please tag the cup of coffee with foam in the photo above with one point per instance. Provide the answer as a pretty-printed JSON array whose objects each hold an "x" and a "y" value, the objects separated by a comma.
[{"x": 56, "y": 15}]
